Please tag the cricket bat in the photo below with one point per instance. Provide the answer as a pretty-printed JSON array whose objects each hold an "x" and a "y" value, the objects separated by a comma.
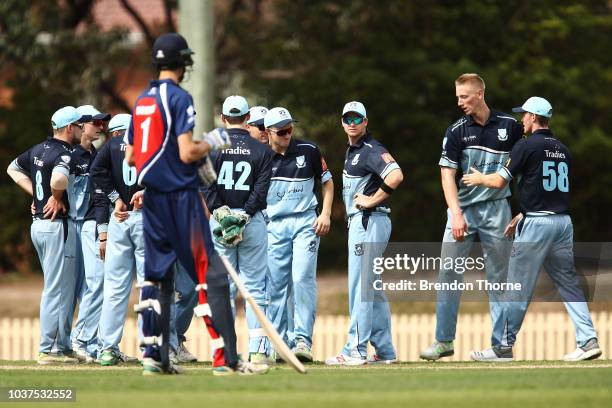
[{"x": 279, "y": 345}]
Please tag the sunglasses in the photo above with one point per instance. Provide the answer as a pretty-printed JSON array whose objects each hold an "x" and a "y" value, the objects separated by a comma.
[
  {"x": 284, "y": 132},
  {"x": 261, "y": 128},
  {"x": 79, "y": 125},
  {"x": 353, "y": 120},
  {"x": 98, "y": 123}
]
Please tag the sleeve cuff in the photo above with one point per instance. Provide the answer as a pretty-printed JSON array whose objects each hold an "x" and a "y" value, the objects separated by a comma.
[
  {"x": 446, "y": 162},
  {"x": 326, "y": 176},
  {"x": 388, "y": 169},
  {"x": 102, "y": 228},
  {"x": 505, "y": 173},
  {"x": 62, "y": 170}
]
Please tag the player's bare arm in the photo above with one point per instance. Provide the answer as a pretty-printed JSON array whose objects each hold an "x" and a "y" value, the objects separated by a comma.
[
  {"x": 191, "y": 150},
  {"x": 476, "y": 178},
  {"x": 55, "y": 204},
  {"x": 458, "y": 225},
  {"x": 129, "y": 155},
  {"x": 21, "y": 179},
  {"x": 393, "y": 180},
  {"x": 322, "y": 223}
]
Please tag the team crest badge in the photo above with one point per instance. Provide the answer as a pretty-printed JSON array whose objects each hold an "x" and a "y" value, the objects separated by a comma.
[
  {"x": 358, "y": 249},
  {"x": 160, "y": 54},
  {"x": 65, "y": 159},
  {"x": 502, "y": 134},
  {"x": 355, "y": 159},
  {"x": 300, "y": 162}
]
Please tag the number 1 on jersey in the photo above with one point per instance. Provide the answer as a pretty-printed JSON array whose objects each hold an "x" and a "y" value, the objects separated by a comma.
[{"x": 145, "y": 126}]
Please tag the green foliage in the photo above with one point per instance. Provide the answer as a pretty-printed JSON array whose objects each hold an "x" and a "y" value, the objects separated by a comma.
[
  {"x": 398, "y": 57},
  {"x": 401, "y": 58}
]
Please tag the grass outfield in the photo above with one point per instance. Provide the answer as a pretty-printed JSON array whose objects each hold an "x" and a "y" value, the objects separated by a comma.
[{"x": 524, "y": 384}]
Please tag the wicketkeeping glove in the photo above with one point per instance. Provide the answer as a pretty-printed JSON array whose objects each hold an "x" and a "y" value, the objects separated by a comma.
[
  {"x": 206, "y": 171},
  {"x": 231, "y": 226},
  {"x": 218, "y": 139}
]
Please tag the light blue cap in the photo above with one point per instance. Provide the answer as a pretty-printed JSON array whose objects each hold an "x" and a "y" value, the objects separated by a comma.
[
  {"x": 537, "y": 105},
  {"x": 120, "y": 121},
  {"x": 277, "y": 117},
  {"x": 65, "y": 116},
  {"x": 235, "y": 105},
  {"x": 93, "y": 113},
  {"x": 356, "y": 107},
  {"x": 257, "y": 115}
]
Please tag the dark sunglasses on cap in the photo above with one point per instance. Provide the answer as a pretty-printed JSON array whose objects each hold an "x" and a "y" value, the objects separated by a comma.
[
  {"x": 284, "y": 132},
  {"x": 353, "y": 120}
]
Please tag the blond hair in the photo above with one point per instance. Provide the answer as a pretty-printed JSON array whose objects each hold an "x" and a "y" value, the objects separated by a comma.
[{"x": 473, "y": 79}]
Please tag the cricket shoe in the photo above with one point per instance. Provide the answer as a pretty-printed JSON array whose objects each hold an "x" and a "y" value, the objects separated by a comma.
[
  {"x": 345, "y": 360},
  {"x": 59, "y": 358},
  {"x": 303, "y": 352},
  {"x": 242, "y": 368},
  {"x": 112, "y": 357},
  {"x": 589, "y": 351},
  {"x": 154, "y": 367},
  {"x": 183, "y": 355},
  {"x": 493, "y": 355},
  {"x": 376, "y": 359},
  {"x": 438, "y": 350},
  {"x": 260, "y": 358},
  {"x": 81, "y": 354}
]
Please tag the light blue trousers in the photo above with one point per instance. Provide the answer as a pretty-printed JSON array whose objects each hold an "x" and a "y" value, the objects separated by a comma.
[
  {"x": 488, "y": 220},
  {"x": 250, "y": 259},
  {"x": 370, "y": 320},
  {"x": 124, "y": 258},
  {"x": 85, "y": 331},
  {"x": 545, "y": 241},
  {"x": 182, "y": 308},
  {"x": 55, "y": 245},
  {"x": 292, "y": 260}
]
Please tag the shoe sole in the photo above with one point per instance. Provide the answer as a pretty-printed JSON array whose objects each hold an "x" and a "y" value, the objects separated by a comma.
[
  {"x": 588, "y": 355},
  {"x": 223, "y": 373},
  {"x": 493, "y": 360},
  {"x": 108, "y": 363},
  {"x": 304, "y": 358},
  {"x": 382, "y": 362},
  {"x": 443, "y": 354}
]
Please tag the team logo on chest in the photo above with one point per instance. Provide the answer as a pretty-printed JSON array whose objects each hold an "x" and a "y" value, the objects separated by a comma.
[
  {"x": 355, "y": 159},
  {"x": 300, "y": 162},
  {"x": 502, "y": 134},
  {"x": 358, "y": 249}
]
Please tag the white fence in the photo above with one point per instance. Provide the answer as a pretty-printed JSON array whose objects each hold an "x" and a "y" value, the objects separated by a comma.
[{"x": 544, "y": 336}]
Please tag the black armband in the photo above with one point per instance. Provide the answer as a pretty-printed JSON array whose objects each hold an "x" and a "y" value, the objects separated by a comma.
[{"x": 384, "y": 187}]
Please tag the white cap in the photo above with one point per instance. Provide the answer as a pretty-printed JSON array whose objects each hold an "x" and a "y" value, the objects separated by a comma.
[
  {"x": 277, "y": 117},
  {"x": 235, "y": 105},
  {"x": 356, "y": 107},
  {"x": 257, "y": 115}
]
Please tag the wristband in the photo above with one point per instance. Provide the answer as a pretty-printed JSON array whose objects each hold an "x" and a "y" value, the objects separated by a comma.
[
  {"x": 102, "y": 240},
  {"x": 384, "y": 187}
]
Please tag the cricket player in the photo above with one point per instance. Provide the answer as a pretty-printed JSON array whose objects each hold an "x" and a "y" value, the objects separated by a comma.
[
  {"x": 255, "y": 124},
  {"x": 482, "y": 138},
  {"x": 89, "y": 265},
  {"x": 244, "y": 172},
  {"x": 294, "y": 230},
  {"x": 543, "y": 232},
  {"x": 43, "y": 171},
  {"x": 159, "y": 141},
  {"x": 370, "y": 176},
  {"x": 124, "y": 246}
]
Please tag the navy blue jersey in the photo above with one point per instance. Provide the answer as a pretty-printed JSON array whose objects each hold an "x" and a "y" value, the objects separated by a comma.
[
  {"x": 366, "y": 165},
  {"x": 38, "y": 163},
  {"x": 80, "y": 188},
  {"x": 543, "y": 164},
  {"x": 243, "y": 174},
  {"x": 294, "y": 176},
  {"x": 467, "y": 144},
  {"x": 112, "y": 175},
  {"x": 163, "y": 112}
]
